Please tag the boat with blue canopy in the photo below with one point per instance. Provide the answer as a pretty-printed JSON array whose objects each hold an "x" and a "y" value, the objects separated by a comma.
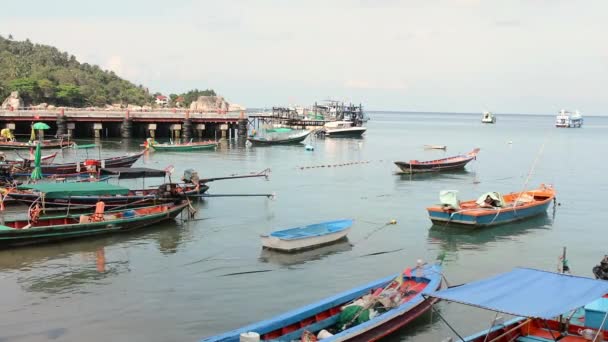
[
  {"x": 364, "y": 313},
  {"x": 548, "y": 306},
  {"x": 307, "y": 237}
]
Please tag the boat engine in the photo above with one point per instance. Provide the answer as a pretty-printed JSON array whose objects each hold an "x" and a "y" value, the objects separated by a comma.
[
  {"x": 190, "y": 176},
  {"x": 601, "y": 271}
]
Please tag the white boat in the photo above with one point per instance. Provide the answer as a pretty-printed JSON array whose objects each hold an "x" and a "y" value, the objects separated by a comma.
[
  {"x": 343, "y": 129},
  {"x": 307, "y": 237},
  {"x": 566, "y": 119},
  {"x": 435, "y": 147},
  {"x": 488, "y": 117}
]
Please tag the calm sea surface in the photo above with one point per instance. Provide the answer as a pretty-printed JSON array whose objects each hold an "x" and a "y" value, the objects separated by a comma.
[{"x": 182, "y": 281}]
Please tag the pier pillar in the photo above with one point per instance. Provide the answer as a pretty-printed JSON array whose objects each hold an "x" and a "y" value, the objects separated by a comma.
[
  {"x": 223, "y": 128},
  {"x": 242, "y": 127},
  {"x": 199, "y": 130},
  {"x": 97, "y": 127},
  {"x": 61, "y": 124},
  {"x": 70, "y": 126},
  {"x": 152, "y": 130},
  {"x": 125, "y": 128},
  {"x": 187, "y": 128},
  {"x": 176, "y": 132}
]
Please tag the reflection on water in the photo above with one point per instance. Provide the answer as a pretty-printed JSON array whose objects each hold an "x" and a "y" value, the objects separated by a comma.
[
  {"x": 452, "y": 239},
  {"x": 289, "y": 259},
  {"x": 430, "y": 176}
]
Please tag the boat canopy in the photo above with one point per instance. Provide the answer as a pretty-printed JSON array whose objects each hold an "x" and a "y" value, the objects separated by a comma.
[
  {"x": 133, "y": 172},
  {"x": 527, "y": 292},
  {"x": 59, "y": 190},
  {"x": 493, "y": 195}
]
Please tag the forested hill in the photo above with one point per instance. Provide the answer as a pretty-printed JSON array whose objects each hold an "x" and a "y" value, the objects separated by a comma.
[{"x": 42, "y": 73}]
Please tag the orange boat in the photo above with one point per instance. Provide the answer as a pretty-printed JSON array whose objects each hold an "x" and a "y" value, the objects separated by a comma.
[{"x": 491, "y": 208}]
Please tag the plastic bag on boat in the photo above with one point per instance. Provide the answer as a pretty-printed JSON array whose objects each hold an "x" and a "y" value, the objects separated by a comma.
[
  {"x": 496, "y": 196},
  {"x": 449, "y": 198}
]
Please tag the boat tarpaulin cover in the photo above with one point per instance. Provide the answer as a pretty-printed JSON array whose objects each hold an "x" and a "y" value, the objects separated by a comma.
[
  {"x": 527, "y": 292},
  {"x": 133, "y": 172},
  {"x": 59, "y": 190}
]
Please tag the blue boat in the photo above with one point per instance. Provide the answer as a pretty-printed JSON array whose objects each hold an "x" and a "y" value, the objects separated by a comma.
[
  {"x": 550, "y": 306},
  {"x": 307, "y": 237},
  {"x": 326, "y": 317},
  {"x": 499, "y": 209}
]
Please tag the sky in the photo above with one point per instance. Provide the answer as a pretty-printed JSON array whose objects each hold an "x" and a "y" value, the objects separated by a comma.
[{"x": 511, "y": 56}]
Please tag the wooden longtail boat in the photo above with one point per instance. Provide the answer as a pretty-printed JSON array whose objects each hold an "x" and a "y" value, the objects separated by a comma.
[
  {"x": 280, "y": 139},
  {"x": 511, "y": 207},
  {"x": 88, "y": 193},
  {"x": 445, "y": 164},
  {"x": 73, "y": 168},
  {"x": 551, "y": 306},
  {"x": 55, "y": 143},
  {"x": 192, "y": 146},
  {"x": 15, "y": 233},
  {"x": 328, "y": 313},
  {"x": 48, "y": 159},
  {"x": 307, "y": 237}
]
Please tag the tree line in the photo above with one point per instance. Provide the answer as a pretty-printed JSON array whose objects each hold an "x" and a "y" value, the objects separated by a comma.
[{"x": 42, "y": 73}]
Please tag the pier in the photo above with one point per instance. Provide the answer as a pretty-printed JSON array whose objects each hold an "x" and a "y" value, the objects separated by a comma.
[{"x": 86, "y": 123}]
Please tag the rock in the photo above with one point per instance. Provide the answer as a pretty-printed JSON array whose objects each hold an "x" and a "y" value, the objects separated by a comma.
[
  {"x": 210, "y": 104},
  {"x": 134, "y": 107},
  {"x": 41, "y": 106},
  {"x": 51, "y": 107},
  {"x": 236, "y": 107},
  {"x": 13, "y": 101}
]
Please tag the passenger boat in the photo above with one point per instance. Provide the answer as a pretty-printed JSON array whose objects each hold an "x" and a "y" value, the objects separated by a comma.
[
  {"x": 279, "y": 138},
  {"x": 488, "y": 117},
  {"x": 86, "y": 194},
  {"x": 307, "y": 237},
  {"x": 17, "y": 145},
  {"x": 35, "y": 230},
  {"x": 478, "y": 213},
  {"x": 343, "y": 129},
  {"x": 74, "y": 168},
  {"x": 187, "y": 147},
  {"x": 342, "y": 317},
  {"x": 567, "y": 119},
  {"x": 550, "y": 306},
  {"x": 445, "y": 164}
]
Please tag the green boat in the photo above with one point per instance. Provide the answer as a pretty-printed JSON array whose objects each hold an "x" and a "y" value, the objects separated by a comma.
[
  {"x": 192, "y": 146},
  {"x": 37, "y": 230}
]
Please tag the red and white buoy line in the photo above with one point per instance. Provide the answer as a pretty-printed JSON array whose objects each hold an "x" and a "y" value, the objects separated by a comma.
[{"x": 334, "y": 165}]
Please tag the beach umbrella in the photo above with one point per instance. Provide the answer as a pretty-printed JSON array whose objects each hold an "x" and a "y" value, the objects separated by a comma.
[
  {"x": 37, "y": 172},
  {"x": 40, "y": 125}
]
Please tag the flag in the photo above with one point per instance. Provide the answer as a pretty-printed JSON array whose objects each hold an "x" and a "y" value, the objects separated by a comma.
[{"x": 408, "y": 272}]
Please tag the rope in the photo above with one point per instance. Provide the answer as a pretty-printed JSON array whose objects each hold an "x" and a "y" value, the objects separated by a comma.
[{"x": 532, "y": 168}]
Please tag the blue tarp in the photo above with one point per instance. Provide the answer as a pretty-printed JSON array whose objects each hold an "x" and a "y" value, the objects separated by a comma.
[{"x": 527, "y": 292}]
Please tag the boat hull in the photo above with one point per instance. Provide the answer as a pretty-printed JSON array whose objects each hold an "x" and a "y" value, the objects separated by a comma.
[
  {"x": 72, "y": 168},
  {"x": 32, "y": 236},
  {"x": 183, "y": 148},
  {"x": 320, "y": 315},
  {"x": 295, "y": 245},
  {"x": 287, "y": 141},
  {"x": 419, "y": 168},
  {"x": 26, "y": 146},
  {"x": 346, "y": 132}
]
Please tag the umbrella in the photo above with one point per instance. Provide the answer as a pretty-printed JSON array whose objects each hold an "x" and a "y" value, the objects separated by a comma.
[
  {"x": 37, "y": 172},
  {"x": 40, "y": 125}
]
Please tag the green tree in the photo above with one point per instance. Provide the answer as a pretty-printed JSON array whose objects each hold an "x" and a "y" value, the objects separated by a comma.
[
  {"x": 27, "y": 88},
  {"x": 47, "y": 88},
  {"x": 69, "y": 95}
]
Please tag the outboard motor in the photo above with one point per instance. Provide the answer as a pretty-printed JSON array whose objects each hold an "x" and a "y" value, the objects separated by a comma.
[
  {"x": 190, "y": 176},
  {"x": 601, "y": 271}
]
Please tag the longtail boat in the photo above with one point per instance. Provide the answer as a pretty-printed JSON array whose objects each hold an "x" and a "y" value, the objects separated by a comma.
[
  {"x": 307, "y": 237},
  {"x": 78, "y": 167},
  {"x": 34, "y": 230},
  {"x": 47, "y": 159},
  {"x": 491, "y": 208},
  {"x": 87, "y": 194},
  {"x": 445, "y": 164},
  {"x": 279, "y": 138},
  {"x": 187, "y": 147},
  {"x": 550, "y": 306},
  {"x": 396, "y": 301},
  {"x": 54, "y": 143}
]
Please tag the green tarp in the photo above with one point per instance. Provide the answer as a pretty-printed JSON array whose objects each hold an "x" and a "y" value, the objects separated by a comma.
[
  {"x": 78, "y": 147},
  {"x": 59, "y": 190}
]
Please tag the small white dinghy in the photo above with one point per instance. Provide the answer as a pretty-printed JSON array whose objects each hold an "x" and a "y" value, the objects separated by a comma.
[{"x": 307, "y": 237}]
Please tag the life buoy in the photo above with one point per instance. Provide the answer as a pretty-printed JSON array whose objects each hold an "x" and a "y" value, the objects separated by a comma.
[{"x": 34, "y": 213}]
